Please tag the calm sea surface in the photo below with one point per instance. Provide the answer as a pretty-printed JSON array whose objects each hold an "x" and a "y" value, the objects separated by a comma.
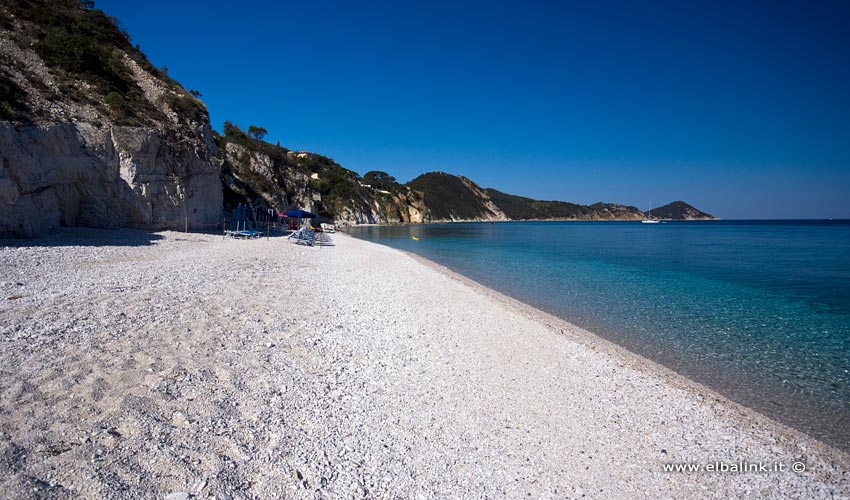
[{"x": 758, "y": 310}]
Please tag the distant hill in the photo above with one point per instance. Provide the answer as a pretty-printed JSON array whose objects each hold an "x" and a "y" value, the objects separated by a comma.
[
  {"x": 522, "y": 208},
  {"x": 679, "y": 210},
  {"x": 450, "y": 197}
]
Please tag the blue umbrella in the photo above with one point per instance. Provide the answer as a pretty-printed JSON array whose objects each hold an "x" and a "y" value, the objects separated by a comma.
[{"x": 301, "y": 214}]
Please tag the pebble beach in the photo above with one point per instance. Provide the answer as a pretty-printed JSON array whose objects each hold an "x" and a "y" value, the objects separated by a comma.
[{"x": 172, "y": 365}]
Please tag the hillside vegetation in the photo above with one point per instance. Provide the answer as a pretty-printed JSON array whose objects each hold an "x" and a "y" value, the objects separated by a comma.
[
  {"x": 268, "y": 175},
  {"x": 521, "y": 208},
  {"x": 450, "y": 197},
  {"x": 89, "y": 59}
]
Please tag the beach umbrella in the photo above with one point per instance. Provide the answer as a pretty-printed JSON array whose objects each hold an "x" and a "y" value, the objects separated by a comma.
[{"x": 300, "y": 214}]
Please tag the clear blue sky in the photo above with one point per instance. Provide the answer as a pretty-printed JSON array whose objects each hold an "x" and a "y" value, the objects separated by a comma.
[{"x": 742, "y": 109}]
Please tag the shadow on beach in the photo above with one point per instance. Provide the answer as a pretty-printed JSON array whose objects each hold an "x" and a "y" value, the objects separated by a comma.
[{"x": 85, "y": 236}]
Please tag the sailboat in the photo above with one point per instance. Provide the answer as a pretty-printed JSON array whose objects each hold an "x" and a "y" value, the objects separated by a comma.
[{"x": 649, "y": 219}]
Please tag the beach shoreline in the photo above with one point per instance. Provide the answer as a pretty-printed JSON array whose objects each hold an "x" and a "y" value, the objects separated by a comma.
[
  {"x": 634, "y": 360},
  {"x": 611, "y": 347},
  {"x": 141, "y": 364}
]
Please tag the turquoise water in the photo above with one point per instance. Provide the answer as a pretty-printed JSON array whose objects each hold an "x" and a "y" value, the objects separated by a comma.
[{"x": 760, "y": 310}]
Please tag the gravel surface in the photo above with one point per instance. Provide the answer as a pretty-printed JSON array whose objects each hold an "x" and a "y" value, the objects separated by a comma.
[{"x": 170, "y": 365}]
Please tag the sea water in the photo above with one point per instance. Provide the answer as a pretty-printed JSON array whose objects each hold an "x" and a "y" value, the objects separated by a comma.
[{"x": 757, "y": 310}]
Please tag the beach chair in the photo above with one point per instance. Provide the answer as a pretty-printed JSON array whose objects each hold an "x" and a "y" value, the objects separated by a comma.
[
  {"x": 323, "y": 240},
  {"x": 244, "y": 234},
  {"x": 243, "y": 217},
  {"x": 303, "y": 236}
]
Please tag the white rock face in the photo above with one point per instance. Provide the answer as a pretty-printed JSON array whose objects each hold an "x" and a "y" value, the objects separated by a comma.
[
  {"x": 69, "y": 163},
  {"x": 76, "y": 174}
]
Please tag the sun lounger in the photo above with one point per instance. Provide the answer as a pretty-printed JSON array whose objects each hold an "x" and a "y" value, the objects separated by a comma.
[
  {"x": 244, "y": 234},
  {"x": 306, "y": 236},
  {"x": 302, "y": 236},
  {"x": 323, "y": 240}
]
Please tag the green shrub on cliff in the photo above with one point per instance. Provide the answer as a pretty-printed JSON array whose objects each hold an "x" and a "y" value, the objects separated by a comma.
[
  {"x": 78, "y": 42},
  {"x": 186, "y": 106},
  {"x": 257, "y": 132},
  {"x": 234, "y": 134},
  {"x": 5, "y": 21},
  {"x": 117, "y": 104},
  {"x": 11, "y": 100},
  {"x": 381, "y": 180}
]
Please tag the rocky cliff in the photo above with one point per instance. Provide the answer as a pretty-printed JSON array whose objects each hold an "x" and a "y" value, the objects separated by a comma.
[
  {"x": 91, "y": 133},
  {"x": 267, "y": 175}
]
